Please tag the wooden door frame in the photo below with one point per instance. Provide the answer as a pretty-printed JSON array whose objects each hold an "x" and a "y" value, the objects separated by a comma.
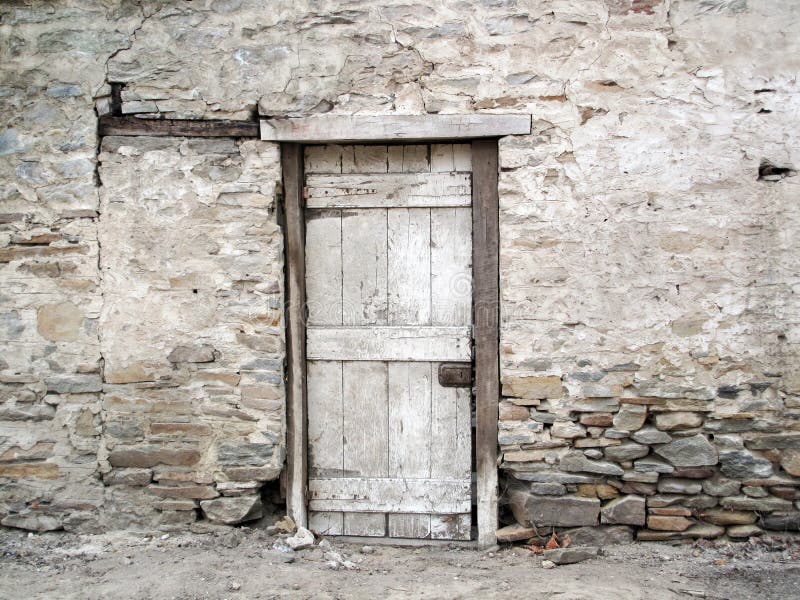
[{"x": 485, "y": 302}]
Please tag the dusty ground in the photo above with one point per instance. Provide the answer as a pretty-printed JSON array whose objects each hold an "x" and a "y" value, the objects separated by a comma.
[{"x": 243, "y": 564}]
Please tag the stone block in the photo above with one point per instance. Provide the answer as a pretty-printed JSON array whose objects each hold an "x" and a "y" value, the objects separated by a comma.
[
  {"x": 664, "y": 523},
  {"x": 720, "y": 516},
  {"x": 626, "y": 451},
  {"x": 692, "y": 451},
  {"x": 675, "y": 421},
  {"x": 32, "y": 521},
  {"x": 651, "y": 435},
  {"x": 533, "y": 387},
  {"x": 679, "y": 486},
  {"x": 790, "y": 461},
  {"x": 514, "y": 533},
  {"x": 576, "y": 462},
  {"x": 563, "y": 511},
  {"x": 596, "y": 419},
  {"x": 232, "y": 510},
  {"x": 60, "y": 322},
  {"x": 627, "y": 510},
  {"x": 630, "y": 417},
  {"x": 571, "y": 555},
  {"x": 567, "y": 430},
  {"x": 203, "y": 353},
  {"x": 741, "y": 464},
  {"x": 600, "y": 536},
  {"x": 149, "y": 456},
  {"x": 738, "y": 532}
]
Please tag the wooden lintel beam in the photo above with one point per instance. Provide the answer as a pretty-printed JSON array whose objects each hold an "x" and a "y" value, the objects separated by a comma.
[{"x": 109, "y": 125}]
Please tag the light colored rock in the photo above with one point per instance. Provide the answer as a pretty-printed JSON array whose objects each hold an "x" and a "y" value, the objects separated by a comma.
[
  {"x": 626, "y": 451},
  {"x": 664, "y": 523},
  {"x": 576, "y": 462},
  {"x": 737, "y": 532},
  {"x": 232, "y": 510},
  {"x": 790, "y": 461},
  {"x": 32, "y": 521},
  {"x": 571, "y": 555},
  {"x": 741, "y": 464},
  {"x": 630, "y": 417},
  {"x": 627, "y": 510},
  {"x": 514, "y": 533},
  {"x": 532, "y": 387},
  {"x": 651, "y": 435},
  {"x": 719, "y": 516},
  {"x": 60, "y": 322},
  {"x": 567, "y": 429},
  {"x": 673, "y": 421},
  {"x": 301, "y": 540}
]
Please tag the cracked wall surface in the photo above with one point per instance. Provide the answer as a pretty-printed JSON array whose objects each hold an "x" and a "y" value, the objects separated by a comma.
[{"x": 649, "y": 259}]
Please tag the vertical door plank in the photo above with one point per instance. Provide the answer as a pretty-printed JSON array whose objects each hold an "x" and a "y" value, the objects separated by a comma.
[
  {"x": 324, "y": 267},
  {"x": 442, "y": 158},
  {"x": 416, "y": 526},
  {"x": 485, "y": 250},
  {"x": 365, "y": 159},
  {"x": 395, "y": 159},
  {"x": 415, "y": 159},
  {"x": 364, "y": 255},
  {"x": 296, "y": 407},
  {"x": 451, "y": 442},
  {"x": 462, "y": 157},
  {"x": 326, "y": 523},
  {"x": 451, "y": 527},
  {"x": 367, "y": 524},
  {"x": 325, "y": 418},
  {"x": 410, "y": 420},
  {"x": 409, "y": 266},
  {"x": 366, "y": 414},
  {"x": 451, "y": 266},
  {"x": 323, "y": 159}
]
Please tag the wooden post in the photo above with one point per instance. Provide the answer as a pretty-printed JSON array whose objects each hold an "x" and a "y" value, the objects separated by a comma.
[
  {"x": 296, "y": 401},
  {"x": 485, "y": 265}
]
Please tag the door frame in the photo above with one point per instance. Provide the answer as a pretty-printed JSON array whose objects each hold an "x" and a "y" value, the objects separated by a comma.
[{"x": 486, "y": 331}]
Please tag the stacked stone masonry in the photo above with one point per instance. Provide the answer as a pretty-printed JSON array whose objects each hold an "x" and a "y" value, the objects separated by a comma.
[{"x": 649, "y": 252}]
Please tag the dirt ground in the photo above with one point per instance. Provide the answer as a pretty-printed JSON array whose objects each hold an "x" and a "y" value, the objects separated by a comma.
[{"x": 244, "y": 563}]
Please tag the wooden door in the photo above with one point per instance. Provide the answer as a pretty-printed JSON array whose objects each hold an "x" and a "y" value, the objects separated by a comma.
[{"x": 388, "y": 261}]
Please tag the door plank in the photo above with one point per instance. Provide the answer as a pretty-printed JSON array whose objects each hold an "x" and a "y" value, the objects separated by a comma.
[
  {"x": 409, "y": 266},
  {"x": 369, "y": 494},
  {"x": 451, "y": 442},
  {"x": 388, "y": 190},
  {"x": 389, "y": 343},
  {"x": 326, "y": 523},
  {"x": 323, "y": 159},
  {"x": 451, "y": 266},
  {"x": 364, "y": 255},
  {"x": 325, "y": 419},
  {"x": 366, "y": 524},
  {"x": 324, "y": 267},
  {"x": 410, "y": 420},
  {"x": 442, "y": 158},
  {"x": 462, "y": 157},
  {"x": 366, "y": 416},
  {"x": 364, "y": 159},
  {"x": 415, "y": 158},
  {"x": 410, "y": 526},
  {"x": 451, "y": 527}
]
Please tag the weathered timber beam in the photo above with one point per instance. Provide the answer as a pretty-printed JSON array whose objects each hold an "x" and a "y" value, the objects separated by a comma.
[
  {"x": 178, "y": 127},
  {"x": 365, "y": 128}
]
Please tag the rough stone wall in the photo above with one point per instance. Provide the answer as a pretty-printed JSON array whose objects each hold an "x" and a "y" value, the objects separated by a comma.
[
  {"x": 191, "y": 327},
  {"x": 648, "y": 241}
]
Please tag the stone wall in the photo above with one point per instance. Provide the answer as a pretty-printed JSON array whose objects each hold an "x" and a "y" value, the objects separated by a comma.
[{"x": 648, "y": 248}]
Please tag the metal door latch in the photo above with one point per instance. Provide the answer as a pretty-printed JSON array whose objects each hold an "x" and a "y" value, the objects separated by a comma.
[{"x": 455, "y": 375}]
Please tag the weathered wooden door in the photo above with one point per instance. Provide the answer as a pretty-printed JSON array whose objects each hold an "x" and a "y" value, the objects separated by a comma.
[{"x": 389, "y": 292}]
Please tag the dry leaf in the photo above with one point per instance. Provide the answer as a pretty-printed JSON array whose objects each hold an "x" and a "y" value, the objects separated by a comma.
[
  {"x": 719, "y": 562},
  {"x": 552, "y": 543}
]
